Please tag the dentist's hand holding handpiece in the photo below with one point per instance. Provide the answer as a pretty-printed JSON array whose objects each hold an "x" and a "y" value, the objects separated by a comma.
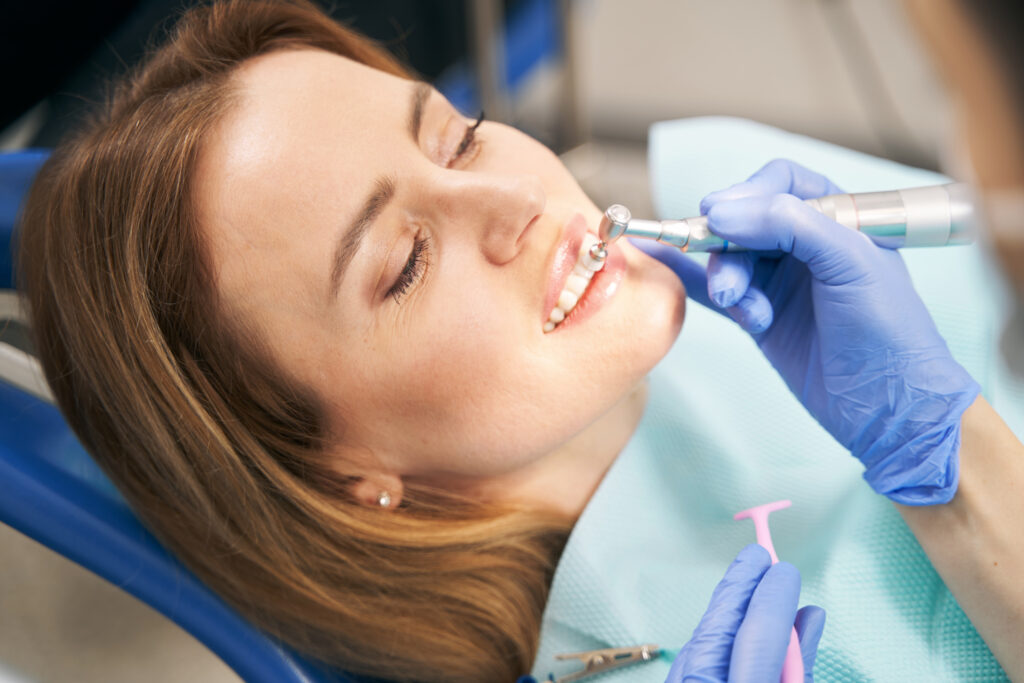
[{"x": 839, "y": 319}]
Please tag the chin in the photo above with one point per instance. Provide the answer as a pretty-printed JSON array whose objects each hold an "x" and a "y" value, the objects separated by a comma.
[
  {"x": 652, "y": 313},
  {"x": 663, "y": 298}
]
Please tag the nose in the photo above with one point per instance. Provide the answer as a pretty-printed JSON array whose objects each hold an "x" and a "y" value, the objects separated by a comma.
[{"x": 495, "y": 210}]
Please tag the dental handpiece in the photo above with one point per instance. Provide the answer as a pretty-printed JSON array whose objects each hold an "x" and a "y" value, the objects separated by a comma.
[{"x": 933, "y": 216}]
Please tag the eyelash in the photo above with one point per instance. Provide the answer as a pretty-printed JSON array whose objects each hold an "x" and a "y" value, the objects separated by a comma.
[
  {"x": 414, "y": 265},
  {"x": 469, "y": 141},
  {"x": 413, "y": 269}
]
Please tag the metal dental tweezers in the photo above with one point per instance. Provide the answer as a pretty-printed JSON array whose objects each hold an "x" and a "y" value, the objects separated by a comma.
[{"x": 597, "y": 661}]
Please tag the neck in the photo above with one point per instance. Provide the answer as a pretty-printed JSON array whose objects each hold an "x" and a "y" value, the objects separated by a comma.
[{"x": 564, "y": 482}]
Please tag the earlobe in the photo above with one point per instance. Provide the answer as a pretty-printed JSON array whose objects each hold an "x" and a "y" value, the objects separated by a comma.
[{"x": 379, "y": 490}]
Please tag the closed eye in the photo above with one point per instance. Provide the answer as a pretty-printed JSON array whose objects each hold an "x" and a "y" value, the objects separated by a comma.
[
  {"x": 413, "y": 269},
  {"x": 469, "y": 141},
  {"x": 416, "y": 263}
]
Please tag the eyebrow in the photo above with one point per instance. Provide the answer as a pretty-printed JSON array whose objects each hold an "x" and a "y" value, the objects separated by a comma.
[
  {"x": 420, "y": 95},
  {"x": 383, "y": 191}
]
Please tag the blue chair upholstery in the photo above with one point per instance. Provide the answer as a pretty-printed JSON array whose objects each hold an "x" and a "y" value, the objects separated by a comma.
[{"x": 53, "y": 492}]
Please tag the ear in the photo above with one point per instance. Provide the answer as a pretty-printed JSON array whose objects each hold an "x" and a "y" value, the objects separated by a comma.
[{"x": 379, "y": 490}]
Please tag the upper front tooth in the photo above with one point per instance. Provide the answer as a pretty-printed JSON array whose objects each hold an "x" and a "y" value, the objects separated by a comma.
[
  {"x": 576, "y": 284},
  {"x": 566, "y": 300},
  {"x": 582, "y": 271},
  {"x": 591, "y": 264}
]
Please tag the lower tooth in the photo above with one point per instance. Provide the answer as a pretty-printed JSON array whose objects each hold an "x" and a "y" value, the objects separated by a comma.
[
  {"x": 548, "y": 326},
  {"x": 557, "y": 315},
  {"x": 591, "y": 264}
]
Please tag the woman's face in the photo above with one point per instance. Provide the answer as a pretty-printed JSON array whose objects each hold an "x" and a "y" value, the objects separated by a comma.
[{"x": 407, "y": 282}]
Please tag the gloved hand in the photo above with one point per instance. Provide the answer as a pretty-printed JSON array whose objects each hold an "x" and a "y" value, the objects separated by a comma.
[
  {"x": 744, "y": 633},
  {"x": 839, "y": 319}
]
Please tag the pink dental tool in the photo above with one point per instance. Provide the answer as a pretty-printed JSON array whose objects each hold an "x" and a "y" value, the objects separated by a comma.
[{"x": 793, "y": 666}]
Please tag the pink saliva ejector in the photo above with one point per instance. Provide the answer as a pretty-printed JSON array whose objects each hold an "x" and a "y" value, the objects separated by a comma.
[{"x": 793, "y": 666}]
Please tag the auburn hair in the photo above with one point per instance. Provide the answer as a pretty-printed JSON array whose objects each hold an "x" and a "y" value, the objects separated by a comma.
[{"x": 218, "y": 452}]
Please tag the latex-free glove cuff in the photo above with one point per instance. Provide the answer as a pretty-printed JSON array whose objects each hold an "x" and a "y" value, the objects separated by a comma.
[{"x": 920, "y": 467}]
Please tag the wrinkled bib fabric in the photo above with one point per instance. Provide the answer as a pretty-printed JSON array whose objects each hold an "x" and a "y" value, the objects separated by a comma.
[{"x": 722, "y": 433}]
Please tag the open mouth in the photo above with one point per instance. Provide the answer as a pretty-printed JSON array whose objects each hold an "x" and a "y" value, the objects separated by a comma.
[{"x": 576, "y": 284}]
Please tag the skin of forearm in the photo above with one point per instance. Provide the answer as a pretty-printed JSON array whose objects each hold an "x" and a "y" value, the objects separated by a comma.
[{"x": 975, "y": 541}]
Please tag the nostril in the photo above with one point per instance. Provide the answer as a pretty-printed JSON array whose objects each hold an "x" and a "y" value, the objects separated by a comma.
[{"x": 534, "y": 201}]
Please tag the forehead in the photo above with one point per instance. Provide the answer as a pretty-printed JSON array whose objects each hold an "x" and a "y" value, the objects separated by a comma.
[
  {"x": 305, "y": 136},
  {"x": 294, "y": 112},
  {"x": 304, "y": 85}
]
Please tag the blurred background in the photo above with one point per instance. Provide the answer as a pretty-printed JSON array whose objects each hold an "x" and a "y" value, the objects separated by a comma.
[{"x": 587, "y": 77}]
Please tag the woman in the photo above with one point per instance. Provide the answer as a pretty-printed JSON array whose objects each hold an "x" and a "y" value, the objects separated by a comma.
[{"x": 307, "y": 340}]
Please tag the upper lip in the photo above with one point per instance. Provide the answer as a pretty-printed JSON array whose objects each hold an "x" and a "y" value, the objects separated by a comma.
[{"x": 566, "y": 253}]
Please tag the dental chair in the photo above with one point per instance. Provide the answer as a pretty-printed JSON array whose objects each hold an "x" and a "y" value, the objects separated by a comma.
[{"x": 53, "y": 492}]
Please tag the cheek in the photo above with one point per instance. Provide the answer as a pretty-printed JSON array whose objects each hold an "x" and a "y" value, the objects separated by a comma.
[
  {"x": 653, "y": 302},
  {"x": 475, "y": 367},
  {"x": 458, "y": 376},
  {"x": 479, "y": 394}
]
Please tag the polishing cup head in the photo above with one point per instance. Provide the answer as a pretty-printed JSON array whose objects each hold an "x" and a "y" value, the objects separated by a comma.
[{"x": 613, "y": 223}]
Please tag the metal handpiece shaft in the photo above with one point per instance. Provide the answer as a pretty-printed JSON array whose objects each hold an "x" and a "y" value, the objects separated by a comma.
[{"x": 938, "y": 215}]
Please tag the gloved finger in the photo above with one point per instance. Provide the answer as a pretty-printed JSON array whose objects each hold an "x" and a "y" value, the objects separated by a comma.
[
  {"x": 810, "y": 623},
  {"x": 729, "y": 277},
  {"x": 779, "y": 176},
  {"x": 763, "y": 637},
  {"x": 707, "y": 652},
  {"x": 753, "y": 311},
  {"x": 834, "y": 254},
  {"x": 691, "y": 272},
  {"x": 729, "y": 286}
]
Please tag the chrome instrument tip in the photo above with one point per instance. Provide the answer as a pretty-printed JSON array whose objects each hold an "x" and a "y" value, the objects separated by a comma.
[{"x": 613, "y": 223}]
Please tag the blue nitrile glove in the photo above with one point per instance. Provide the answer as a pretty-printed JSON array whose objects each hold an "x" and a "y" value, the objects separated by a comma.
[
  {"x": 839, "y": 319},
  {"x": 744, "y": 633}
]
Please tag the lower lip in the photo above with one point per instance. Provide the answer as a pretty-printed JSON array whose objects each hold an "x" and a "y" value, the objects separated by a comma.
[{"x": 602, "y": 287}]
